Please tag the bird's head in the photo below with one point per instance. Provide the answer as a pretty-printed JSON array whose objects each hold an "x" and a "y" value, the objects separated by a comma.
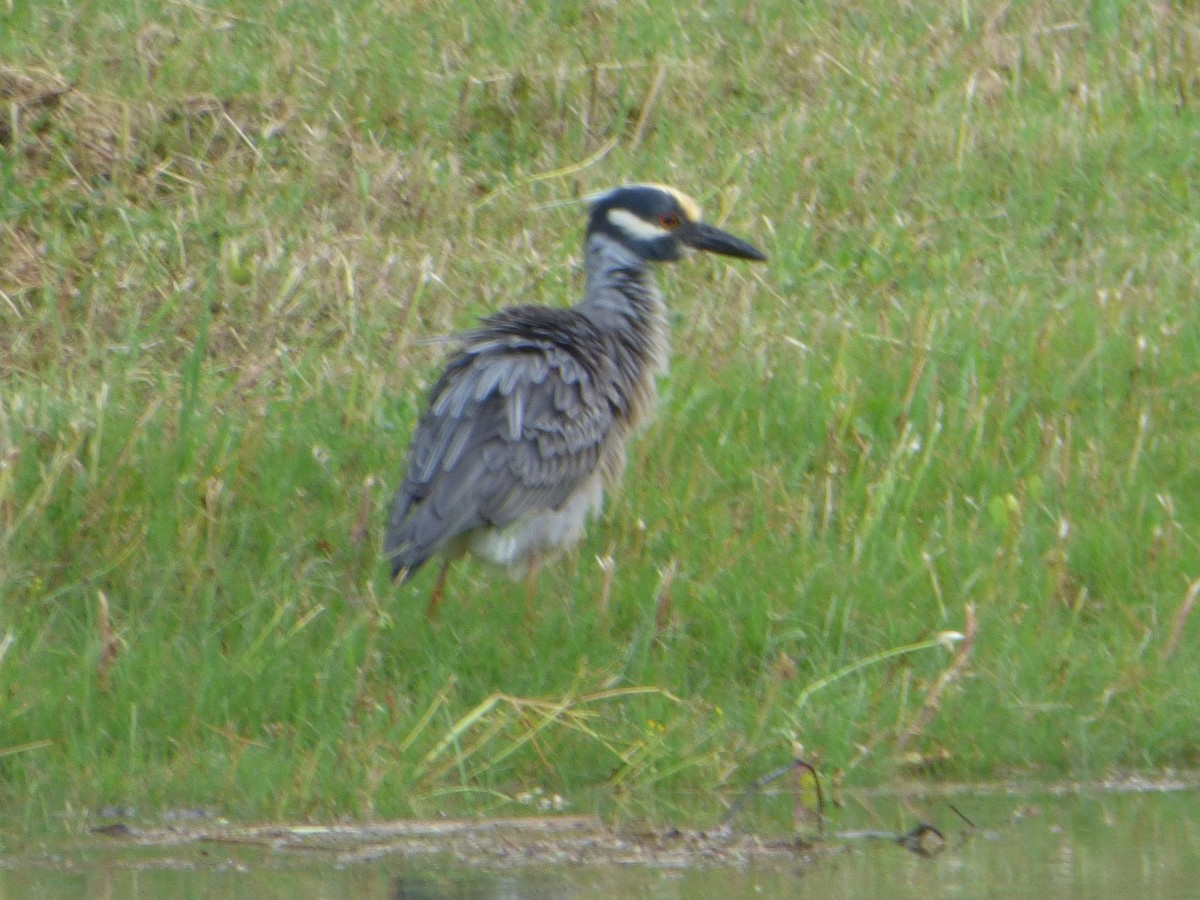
[{"x": 657, "y": 222}]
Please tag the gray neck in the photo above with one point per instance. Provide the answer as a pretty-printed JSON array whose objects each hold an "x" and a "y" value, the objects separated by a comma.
[
  {"x": 622, "y": 299},
  {"x": 618, "y": 279}
]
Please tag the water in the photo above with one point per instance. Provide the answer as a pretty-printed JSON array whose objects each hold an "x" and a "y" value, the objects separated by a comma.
[{"x": 1128, "y": 845}]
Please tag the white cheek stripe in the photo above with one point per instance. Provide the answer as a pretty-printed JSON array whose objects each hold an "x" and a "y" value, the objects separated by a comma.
[{"x": 635, "y": 226}]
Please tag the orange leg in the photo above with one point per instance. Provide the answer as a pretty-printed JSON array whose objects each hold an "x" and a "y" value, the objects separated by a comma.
[{"x": 439, "y": 590}]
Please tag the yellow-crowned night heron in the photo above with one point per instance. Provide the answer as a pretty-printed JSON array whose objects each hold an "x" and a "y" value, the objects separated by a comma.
[{"x": 527, "y": 425}]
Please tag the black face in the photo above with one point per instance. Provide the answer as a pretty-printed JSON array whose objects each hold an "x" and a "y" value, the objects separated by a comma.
[{"x": 657, "y": 222}]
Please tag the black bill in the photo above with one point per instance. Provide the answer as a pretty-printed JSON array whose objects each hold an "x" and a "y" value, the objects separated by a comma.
[{"x": 714, "y": 240}]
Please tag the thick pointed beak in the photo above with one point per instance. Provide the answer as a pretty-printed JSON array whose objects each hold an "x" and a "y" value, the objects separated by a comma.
[{"x": 714, "y": 240}]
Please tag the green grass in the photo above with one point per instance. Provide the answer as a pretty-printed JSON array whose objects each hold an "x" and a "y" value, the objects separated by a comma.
[{"x": 967, "y": 376}]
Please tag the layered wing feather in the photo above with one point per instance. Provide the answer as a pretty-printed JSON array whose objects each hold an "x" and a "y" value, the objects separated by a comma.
[{"x": 515, "y": 425}]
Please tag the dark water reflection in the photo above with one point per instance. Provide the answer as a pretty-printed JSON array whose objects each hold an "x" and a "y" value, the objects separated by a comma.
[{"x": 1129, "y": 845}]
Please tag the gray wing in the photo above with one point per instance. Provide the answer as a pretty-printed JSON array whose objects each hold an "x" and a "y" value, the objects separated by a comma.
[{"x": 514, "y": 425}]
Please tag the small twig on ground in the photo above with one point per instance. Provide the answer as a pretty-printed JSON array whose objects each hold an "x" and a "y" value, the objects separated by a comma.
[
  {"x": 1181, "y": 617},
  {"x": 109, "y": 643},
  {"x": 933, "y": 699},
  {"x": 608, "y": 567},
  {"x": 958, "y": 812},
  {"x": 6, "y": 642},
  {"x": 662, "y": 600},
  {"x": 366, "y": 507},
  {"x": 575, "y": 168},
  {"x": 648, "y": 104}
]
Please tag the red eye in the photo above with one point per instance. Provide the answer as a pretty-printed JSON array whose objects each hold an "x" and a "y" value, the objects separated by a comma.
[{"x": 669, "y": 220}]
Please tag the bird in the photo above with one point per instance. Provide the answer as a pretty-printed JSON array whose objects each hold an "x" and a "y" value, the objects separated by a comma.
[{"x": 526, "y": 427}]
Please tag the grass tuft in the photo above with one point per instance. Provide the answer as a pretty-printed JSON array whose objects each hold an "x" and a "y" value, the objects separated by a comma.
[{"x": 230, "y": 237}]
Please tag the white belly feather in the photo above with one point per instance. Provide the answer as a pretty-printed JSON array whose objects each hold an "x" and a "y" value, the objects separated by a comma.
[{"x": 541, "y": 535}]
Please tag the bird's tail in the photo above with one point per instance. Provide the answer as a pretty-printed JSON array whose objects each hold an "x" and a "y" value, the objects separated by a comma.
[
  {"x": 400, "y": 549},
  {"x": 401, "y": 555}
]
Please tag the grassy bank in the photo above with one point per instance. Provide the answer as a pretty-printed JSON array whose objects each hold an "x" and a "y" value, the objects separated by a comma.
[{"x": 960, "y": 398}]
